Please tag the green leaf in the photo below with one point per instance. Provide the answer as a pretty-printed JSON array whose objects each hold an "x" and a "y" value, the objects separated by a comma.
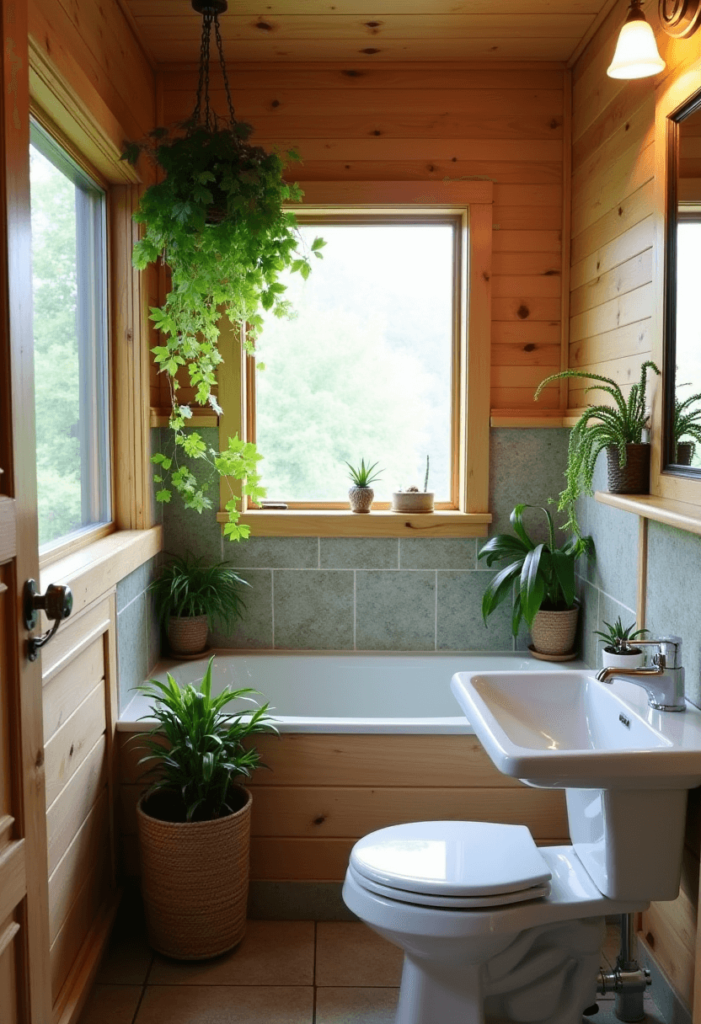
[{"x": 532, "y": 584}]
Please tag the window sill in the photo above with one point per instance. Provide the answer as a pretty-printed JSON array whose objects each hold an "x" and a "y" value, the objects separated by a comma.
[
  {"x": 95, "y": 568},
  {"x": 310, "y": 523},
  {"x": 679, "y": 514}
]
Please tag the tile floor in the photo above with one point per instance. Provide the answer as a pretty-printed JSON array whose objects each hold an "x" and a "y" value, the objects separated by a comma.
[{"x": 284, "y": 972}]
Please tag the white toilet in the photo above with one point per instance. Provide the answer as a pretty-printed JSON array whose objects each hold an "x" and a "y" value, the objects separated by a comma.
[{"x": 492, "y": 927}]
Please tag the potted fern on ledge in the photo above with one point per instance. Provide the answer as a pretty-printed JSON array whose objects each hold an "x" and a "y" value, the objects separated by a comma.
[
  {"x": 194, "y": 820},
  {"x": 618, "y": 429}
]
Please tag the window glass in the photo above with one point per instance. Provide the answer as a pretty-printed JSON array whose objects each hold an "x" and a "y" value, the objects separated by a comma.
[
  {"x": 365, "y": 367},
  {"x": 70, "y": 343},
  {"x": 688, "y": 346}
]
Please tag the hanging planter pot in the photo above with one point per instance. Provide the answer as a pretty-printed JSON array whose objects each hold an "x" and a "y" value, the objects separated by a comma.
[{"x": 634, "y": 477}]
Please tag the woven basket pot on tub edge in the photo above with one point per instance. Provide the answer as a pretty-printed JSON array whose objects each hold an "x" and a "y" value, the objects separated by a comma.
[{"x": 194, "y": 879}]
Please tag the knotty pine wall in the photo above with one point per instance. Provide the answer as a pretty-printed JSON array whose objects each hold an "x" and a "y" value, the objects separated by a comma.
[
  {"x": 614, "y": 263},
  {"x": 434, "y": 123}
]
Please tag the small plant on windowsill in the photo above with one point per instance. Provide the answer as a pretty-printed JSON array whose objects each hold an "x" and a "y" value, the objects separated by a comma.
[
  {"x": 361, "y": 494},
  {"x": 412, "y": 499}
]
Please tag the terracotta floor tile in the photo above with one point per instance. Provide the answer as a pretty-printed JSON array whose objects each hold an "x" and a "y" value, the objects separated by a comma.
[
  {"x": 225, "y": 1004},
  {"x": 272, "y": 953},
  {"x": 356, "y": 1005},
  {"x": 349, "y": 954},
  {"x": 127, "y": 959},
  {"x": 111, "y": 1004}
]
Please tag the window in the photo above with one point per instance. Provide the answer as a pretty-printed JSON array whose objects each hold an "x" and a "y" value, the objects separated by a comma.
[
  {"x": 367, "y": 367},
  {"x": 70, "y": 344}
]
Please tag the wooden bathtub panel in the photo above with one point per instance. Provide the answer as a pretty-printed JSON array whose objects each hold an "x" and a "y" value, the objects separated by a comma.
[{"x": 306, "y": 759}]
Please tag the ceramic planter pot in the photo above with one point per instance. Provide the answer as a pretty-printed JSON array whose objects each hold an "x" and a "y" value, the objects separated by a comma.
[
  {"x": 553, "y": 633},
  {"x": 360, "y": 498},
  {"x": 685, "y": 453},
  {"x": 187, "y": 635},
  {"x": 634, "y": 477},
  {"x": 194, "y": 878},
  {"x": 412, "y": 501},
  {"x": 610, "y": 659}
]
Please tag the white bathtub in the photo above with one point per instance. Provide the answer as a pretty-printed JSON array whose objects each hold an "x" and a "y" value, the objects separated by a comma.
[{"x": 344, "y": 693}]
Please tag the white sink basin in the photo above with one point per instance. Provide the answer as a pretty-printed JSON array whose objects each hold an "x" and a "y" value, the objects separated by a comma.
[{"x": 568, "y": 730}]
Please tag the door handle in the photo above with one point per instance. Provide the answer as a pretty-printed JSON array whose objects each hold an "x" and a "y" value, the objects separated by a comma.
[{"x": 57, "y": 602}]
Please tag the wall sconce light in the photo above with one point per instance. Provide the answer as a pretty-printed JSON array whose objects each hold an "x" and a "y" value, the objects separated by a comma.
[{"x": 636, "y": 53}]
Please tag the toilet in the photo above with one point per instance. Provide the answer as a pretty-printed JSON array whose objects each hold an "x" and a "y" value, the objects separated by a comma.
[{"x": 492, "y": 926}]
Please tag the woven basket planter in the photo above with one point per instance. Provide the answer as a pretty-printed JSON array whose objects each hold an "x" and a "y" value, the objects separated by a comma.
[
  {"x": 361, "y": 498},
  {"x": 194, "y": 879},
  {"x": 554, "y": 632},
  {"x": 634, "y": 477},
  {"x": 187, "y": 635},
  {"x": 685, "y": 453}
]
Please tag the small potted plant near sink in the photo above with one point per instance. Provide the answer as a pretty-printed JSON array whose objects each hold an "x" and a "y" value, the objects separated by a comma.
[
  {"x": 412, "y": 499},
  {"x": 540, "y": 579},
  {"x": 361, "y": 494},
  {"x": 619, "y": 645},
  {"x": 194, "y": 820},
  {"x": 192, "y": 598}
]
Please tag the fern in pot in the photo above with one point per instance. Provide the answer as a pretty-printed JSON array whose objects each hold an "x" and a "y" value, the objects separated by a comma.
[
  {"x": 618, "y": 429},
  {"x": 194, "y": 820},
  {"x": 687, "y": 429},
  {"x": 192, "y": 597}
]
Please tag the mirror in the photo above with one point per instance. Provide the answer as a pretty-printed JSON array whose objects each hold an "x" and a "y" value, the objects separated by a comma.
[{"x": 683, "y": 292}]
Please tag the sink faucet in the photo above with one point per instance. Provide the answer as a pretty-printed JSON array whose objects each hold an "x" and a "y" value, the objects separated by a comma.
[{"x": 665, "y": 682}]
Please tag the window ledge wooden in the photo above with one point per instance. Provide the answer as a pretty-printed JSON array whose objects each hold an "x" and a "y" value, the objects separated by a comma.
[
  {"x": 311, "y": 523},
  {"x": 679, "y": 514},
  {"x": 96, "y": 568}
]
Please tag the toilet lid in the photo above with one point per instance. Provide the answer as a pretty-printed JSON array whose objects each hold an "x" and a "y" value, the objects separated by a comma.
[
  {"x": 451, "y": 858},
  {"x": 450, "y": 902}
]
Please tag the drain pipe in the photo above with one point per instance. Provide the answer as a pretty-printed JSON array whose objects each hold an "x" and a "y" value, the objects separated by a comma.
[{"x": 627, "y": 980}]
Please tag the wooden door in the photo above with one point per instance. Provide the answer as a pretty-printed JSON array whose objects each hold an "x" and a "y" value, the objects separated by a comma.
[{"x": 24, "y": 929}]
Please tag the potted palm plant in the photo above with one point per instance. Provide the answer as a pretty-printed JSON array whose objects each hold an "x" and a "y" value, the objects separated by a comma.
[
  {"x": 194, "y": 820},
  {"x": 540, "y": 581},
  {"x": 619, "y": 645},
  {"x": 617, "y": 429},
  {"x": 361, "y": 494},
  {"x": 686, "y": 425},
  {"x": 192, "y": 598}
]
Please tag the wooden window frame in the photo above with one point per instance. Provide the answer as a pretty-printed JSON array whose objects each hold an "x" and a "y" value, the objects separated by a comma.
[{"x": 468, "y": 515}]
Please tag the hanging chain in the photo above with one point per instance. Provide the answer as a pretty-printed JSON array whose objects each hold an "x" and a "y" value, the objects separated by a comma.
[{"x": 206, "y": 116}]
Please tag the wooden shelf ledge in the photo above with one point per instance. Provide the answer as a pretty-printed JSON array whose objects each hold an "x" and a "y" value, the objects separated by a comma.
[
  {"x": 310, "y": 523},
  {"x": 679, "y": 514}
]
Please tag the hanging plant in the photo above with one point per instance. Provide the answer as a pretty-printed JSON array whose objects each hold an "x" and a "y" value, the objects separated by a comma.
[{"x": 217, "y": 219}]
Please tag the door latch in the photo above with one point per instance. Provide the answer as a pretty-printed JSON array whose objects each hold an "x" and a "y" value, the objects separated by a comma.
[{"x": 57, "y": 603}]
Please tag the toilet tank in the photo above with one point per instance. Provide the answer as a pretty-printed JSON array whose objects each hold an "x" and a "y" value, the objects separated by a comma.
[{"x": 629, "y": 841}]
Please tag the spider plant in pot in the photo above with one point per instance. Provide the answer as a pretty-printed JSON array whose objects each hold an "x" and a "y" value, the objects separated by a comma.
[
  {"x": 412, "y": 499},
  {"x": 618, "y": 429},
  {"x": 539, "y": 581},
  {"x": 192, "y": 597},
  {"x": 619, "y": 645},
  {"x": 361, "y": 493},
  {"x": 194, "y": 819},
  {"x": 686, "y": 425}
]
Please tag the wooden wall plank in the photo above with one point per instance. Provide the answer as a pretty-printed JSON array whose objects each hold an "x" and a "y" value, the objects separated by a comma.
[
  {"x": 69, "y": 811},
  {"x": 71, "y": 745},
  {"x": 66, "y": 690}
]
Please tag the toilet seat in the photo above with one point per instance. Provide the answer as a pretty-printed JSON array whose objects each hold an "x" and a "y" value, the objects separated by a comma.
[{"x": 454, "y": 864}]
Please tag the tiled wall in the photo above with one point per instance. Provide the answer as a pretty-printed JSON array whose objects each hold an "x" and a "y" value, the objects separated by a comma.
[
  {"x": 414, "y": 594},
  {"x": 138, "y": 632}
]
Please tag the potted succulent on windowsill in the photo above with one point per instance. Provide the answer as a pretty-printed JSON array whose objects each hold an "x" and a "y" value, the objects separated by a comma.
[
  {"x": 617, "y": 429},
  {"x": 194, "y": 820},
  {"x": 686, "y": 424},
  {"x": 412, "y": 499},
  {"x": 361, "y": 494},
  {"x": 619, "y": 645},
  {"x": 539, "y": 579},
  {"x": 192, "y": 598}
]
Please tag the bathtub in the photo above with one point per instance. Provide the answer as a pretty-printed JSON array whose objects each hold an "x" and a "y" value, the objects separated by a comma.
[{"x": 311, "y": 692}]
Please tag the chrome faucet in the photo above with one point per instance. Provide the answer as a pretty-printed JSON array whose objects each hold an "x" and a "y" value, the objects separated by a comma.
[{"x": 665, "y": 682}]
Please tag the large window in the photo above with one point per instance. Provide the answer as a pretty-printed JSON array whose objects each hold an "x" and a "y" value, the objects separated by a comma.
[
  {"x": 70, "y": 344},
  {"x": 367, "y": 368}
]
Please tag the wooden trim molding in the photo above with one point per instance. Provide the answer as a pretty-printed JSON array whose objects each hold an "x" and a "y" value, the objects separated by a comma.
[
  {"x": 312, "y": 523},
  {"x": 681, "y": 514}
]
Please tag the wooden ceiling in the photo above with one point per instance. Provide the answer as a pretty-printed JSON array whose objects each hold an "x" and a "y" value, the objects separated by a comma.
[{"x": 372, "y": 31}]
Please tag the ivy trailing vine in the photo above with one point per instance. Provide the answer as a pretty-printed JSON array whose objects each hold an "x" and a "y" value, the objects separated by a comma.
[{"x": 217, "y": 220}]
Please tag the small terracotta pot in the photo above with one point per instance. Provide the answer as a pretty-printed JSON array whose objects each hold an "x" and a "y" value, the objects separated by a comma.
[
  {"x": 360, "y": 498},
  {"x": 634, "y": 477},
  {"x": 412, "y": 501},
  {"x": 554, "y": 632},
  {"x": 187, "y": 634},
  {"x": 611, "y": 659},
  {"x": 685, "y": 453}
]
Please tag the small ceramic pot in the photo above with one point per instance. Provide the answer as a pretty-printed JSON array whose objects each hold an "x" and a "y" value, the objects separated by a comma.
[
  {"x": 610, "y": 659},
  {"x": 187, "y": 634},
  {"x": 634, "y": 477},
  {"x": 361, "y": 498},
  {"x": 412, "y": 501},
  {"x": 554, "y": 632}
]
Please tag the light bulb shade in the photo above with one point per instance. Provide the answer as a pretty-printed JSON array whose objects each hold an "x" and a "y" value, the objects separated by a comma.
[{"x": 636, "y": 53}]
